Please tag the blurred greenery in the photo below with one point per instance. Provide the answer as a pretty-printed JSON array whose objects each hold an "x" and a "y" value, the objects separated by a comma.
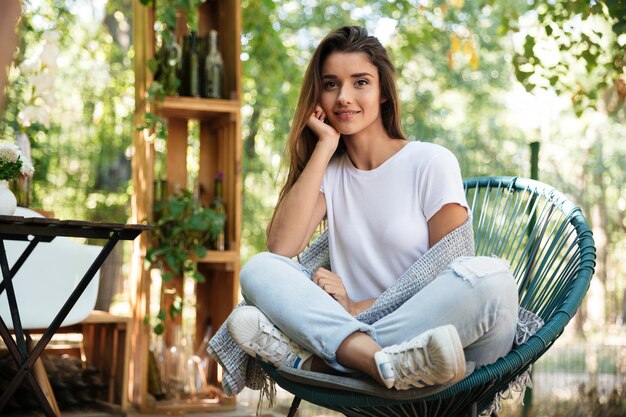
[{"x": 483, "y": 78}]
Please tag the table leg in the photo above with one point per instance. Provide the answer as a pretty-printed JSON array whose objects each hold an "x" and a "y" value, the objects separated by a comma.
[
  {"x": 18, "y": 264},
  {"x": 29, "y": 359},
  {"x": 41, "y": 376},
  {"x": 30, "y": 379},
  {"x": 7, "y": 279}
]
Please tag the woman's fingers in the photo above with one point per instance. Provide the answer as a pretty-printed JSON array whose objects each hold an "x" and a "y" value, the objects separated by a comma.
[
  {"x": 319, "y": 114},
  {"x": 329, "y": 282}
]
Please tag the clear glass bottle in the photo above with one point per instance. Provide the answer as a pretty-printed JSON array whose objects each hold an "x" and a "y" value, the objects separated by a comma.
[
  {"x": 206, "y": 361},
  {"x": 213, "y": 69},
  {"x": 175, "y": 364},
  {"x": 219, "y": 206},
  {"x": 199, "y": 368}
]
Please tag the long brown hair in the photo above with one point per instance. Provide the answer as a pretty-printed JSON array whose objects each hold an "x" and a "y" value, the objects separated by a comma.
[{"x": 302, "y": 141}]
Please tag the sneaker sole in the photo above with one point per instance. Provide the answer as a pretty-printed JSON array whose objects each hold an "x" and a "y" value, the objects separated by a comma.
[{"x": 453, "y": 342}]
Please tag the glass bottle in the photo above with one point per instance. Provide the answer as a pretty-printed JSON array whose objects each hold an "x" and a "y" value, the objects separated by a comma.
[
  {"x": 218, "y": 205},
  {"x": 213, "y": 69},
  {"x": 199, "y": 367},
  {"x": 206, "y": 361},
  {"x": 156, "y": 366},
  {"x": 175, "y": 364},
  {"x": 154, "y": 377},
  {"x": 173, "y": 63},
  {"x": 160, "y": 198},
  {"x": 194, "y": 66},
  {"x": 183, "y": 87}
]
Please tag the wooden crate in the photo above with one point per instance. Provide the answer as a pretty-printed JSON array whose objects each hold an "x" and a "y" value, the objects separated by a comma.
[{"x": 220, "y": 150}]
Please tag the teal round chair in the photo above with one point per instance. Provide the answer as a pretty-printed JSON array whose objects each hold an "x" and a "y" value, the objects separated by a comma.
[{"x": 549, "y": 246}]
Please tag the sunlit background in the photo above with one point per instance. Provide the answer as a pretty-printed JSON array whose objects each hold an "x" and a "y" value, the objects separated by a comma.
[{"x": 485, "y": 79}]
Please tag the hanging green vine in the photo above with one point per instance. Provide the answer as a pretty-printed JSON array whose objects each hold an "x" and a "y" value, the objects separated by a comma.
[{"x": 182, "y": 230}]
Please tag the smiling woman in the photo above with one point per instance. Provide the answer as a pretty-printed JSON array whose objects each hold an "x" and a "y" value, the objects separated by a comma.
[{"x": 388, "y": 203}]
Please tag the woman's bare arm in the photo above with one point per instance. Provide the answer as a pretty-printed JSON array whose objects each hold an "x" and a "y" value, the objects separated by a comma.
[
  {"x": 448, "y": 218},
  {"x": 304, "y": 206}
]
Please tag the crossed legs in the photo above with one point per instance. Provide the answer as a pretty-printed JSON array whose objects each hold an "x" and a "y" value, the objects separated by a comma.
[{"x": 483, "y": 311}]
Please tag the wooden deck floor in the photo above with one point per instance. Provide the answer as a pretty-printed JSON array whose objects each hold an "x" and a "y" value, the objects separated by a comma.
[{"x": 238, "y": 412}]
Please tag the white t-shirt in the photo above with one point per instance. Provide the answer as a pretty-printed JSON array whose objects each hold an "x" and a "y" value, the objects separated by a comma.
[{"x": 377, "y": 219}]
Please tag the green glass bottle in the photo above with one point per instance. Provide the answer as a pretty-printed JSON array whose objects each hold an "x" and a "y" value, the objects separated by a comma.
[
  {"x": 218, "y": 205},
  {"x": 194, "y": 66}
]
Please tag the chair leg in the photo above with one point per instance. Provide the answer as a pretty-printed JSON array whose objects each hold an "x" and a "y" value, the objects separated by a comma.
[
  {"x": 474, "y": 409},
  {"x": 294, "y": 406}
]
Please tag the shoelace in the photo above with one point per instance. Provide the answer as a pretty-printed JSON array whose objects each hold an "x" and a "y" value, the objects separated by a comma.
[
  {"x": 412, "y": 363},
  {"x": 271, "y": 343}
]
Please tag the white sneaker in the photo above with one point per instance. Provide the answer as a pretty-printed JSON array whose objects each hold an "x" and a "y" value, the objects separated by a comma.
[
  {"x": 258, "y": 336},
  {"x": 434, "y": 357}
]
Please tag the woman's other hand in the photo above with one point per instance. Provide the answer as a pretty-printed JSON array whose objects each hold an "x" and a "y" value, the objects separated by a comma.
[{"x": 333, "y": 285}]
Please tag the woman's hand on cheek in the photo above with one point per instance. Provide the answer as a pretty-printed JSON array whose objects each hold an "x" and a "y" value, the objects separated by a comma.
[
  {"x": 325, "y": 133},
  {"x": 333, "y": 285}
]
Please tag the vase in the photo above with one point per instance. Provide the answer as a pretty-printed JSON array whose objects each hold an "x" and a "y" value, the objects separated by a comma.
[{"x": 8, "y": 202}]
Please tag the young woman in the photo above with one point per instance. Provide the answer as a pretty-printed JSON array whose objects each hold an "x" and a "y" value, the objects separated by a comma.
[{"x": 387, "y": 201}]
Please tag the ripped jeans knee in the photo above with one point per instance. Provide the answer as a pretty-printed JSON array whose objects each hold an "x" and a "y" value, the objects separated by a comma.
[{"x": 471, "y": 268}]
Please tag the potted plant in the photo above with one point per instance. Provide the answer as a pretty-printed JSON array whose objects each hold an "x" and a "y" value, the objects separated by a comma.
[
  {"x": 13, "y": 166},
  {"x": 181, "y": 232}
]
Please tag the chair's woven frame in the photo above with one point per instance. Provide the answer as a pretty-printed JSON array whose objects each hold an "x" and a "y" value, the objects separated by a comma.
[{"x": 548, "y": 243}]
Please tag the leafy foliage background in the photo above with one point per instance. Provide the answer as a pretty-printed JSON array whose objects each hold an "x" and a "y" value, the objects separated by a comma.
[{"x": 463, "y": 69}]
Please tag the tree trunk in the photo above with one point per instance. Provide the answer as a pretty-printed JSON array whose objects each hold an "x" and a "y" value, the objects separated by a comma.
[{"x": 253, "y": 126}]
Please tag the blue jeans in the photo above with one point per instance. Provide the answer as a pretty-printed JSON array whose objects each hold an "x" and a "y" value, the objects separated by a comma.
[{"x": 475, "y": 294}]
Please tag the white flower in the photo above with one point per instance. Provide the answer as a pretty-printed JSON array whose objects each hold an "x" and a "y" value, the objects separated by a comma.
[
  {"x": 49, "y": 55},
  {"x": 43, "y": 82},
  {"x": 43, "y": 116},
  {"x": 52, "y": 36},
  {"x": 9, "y": 152},
  {"x": 27, "y": 168},
  {"x": 40, "y": 72},
  {"x": 10, "y": 156},
  {"x": 50, "y": 98},
  {"x": 29, "y": 65},
  {"x": 27, "y": 116}
]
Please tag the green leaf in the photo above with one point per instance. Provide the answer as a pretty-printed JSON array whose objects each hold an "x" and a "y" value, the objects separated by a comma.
[
  {"x": 153, "y": 65},
  {"x": 176, "y": 308},
  {"x": 161, "y": 315},
  {"x": 172, "y": 259},
  {"x": 200, "y": 251},
  {"x": 198, "y": 277},
  {"x": 159, "y": 329},
  {"x": 529, "y": 45}
]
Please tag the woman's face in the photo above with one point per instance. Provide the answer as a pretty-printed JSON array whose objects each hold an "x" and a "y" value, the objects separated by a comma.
[{"x": 351, "y": 93}]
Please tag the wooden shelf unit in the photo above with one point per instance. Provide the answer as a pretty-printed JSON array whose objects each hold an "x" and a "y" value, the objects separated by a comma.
[{"x": 220, "y": 150}]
